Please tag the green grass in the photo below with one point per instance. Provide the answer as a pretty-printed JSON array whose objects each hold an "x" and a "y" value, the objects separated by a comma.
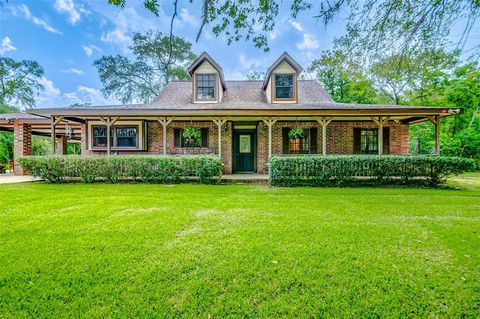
[{"x": 238, "y": 251}]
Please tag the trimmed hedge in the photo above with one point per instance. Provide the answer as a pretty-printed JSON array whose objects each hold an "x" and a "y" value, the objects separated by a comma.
[
  {"x": 351, "y": 170},
  {"x": 112, "y": 169}
]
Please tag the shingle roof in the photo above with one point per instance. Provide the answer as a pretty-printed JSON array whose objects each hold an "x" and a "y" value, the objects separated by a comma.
[
  {"x": 239, "y": 95},
  {"x": 19, "y": 116}
]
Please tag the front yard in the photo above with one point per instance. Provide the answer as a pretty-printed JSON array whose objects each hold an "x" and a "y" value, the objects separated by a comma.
[{"x": 239, "y": 251}]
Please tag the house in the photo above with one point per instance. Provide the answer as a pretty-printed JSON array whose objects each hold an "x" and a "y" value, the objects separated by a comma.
[{"x": 243, "y": 122}]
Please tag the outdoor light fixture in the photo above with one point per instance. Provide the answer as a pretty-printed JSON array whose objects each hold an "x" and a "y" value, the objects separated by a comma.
[{"x": 454, "y": 111}]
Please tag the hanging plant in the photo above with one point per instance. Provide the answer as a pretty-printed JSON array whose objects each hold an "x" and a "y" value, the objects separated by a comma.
[
  {"x": 296, "y": 133},
  {"x": 192, "y": 135}
]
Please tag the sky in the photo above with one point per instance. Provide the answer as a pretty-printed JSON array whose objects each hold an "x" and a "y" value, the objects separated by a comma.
[{"x": 66, "y": 36}]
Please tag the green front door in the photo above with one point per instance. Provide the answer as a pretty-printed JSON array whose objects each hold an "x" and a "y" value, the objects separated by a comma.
[{"x": 244, "y": 151}]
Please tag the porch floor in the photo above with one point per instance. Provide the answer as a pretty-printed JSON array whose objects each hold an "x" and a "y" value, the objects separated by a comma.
[{"x": 245, "y": 178}]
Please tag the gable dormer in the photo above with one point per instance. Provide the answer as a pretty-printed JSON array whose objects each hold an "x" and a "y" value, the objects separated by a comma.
[
  {"x": 208, "y": 82},
  {"x": 281, "y": 80}
]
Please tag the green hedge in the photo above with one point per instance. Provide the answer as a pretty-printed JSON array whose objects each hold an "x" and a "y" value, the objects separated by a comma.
[
  {"x": 351, "y": 170},
  {"x": 112, "y": 169}
]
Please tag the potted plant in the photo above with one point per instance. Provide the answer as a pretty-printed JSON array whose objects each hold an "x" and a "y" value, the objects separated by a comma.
[
  {"x": 191, "y": 135},
  {"x": 296, "y": 133}
]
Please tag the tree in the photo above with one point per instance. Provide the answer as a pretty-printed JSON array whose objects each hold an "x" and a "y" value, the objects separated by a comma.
[
  {"x": 402, "y": 24},
  {"x": 343, "y": 80},
  {"x": 255, "y": 75},
  {"x": 460, "y": 134},
  {"x": 157, "y": 60},
  {"x": 19, "y": 81}
]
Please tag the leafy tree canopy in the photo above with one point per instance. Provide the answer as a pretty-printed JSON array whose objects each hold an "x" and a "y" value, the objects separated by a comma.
[
  {"x": 157, "y": 60},
  {"x": 385, "y": 24},
  {"x": 19, "y": 82}
]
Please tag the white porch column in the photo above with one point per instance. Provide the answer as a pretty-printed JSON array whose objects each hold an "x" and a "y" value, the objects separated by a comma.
[
  {"x": 269, "y": 123},
  {"x": 436, "y": 121},
  {"x": 381, "y": 121},
  {"x": 165, "y": 121},
  {"x": 54, "y": 122},
  {"x": 109, "y": 121},
  {"x": 219, "y": 122},
  {"x": 324, "y": 121}
]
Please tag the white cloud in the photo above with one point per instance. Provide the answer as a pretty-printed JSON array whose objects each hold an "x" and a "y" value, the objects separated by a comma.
[
  {"x": 73, "y": 70},
  {"x": 6, "y": 45},
  {"x": 248, "y": 64},
  {"x": 88, "y": 49},
  {"x": 296, "y": 25},
  {"x": 53, "y": 97},
  {"x": 309, "y": 42},
  {"x": 187, "y": 19},
  {"x": 88, "y": 95},
  {"x": 68, "y": 7},
  {"x": 49, "y": 95},
  {"x": 116, "y": 36},
  {"x": 127, "y": 21},
  {"x": 42, "y": 23}
]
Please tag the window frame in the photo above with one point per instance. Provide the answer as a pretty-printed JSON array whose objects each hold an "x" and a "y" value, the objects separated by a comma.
[
  {"x": 294, "y": 87},
  {"x": 204, "y": 141},
  {"x": 214, "y": 87},
  {"x": 308, "y": 144},
  {"x": 113, "y": 137}
]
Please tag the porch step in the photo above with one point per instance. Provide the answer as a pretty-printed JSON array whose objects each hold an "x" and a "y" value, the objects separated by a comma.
[{"x": 245, "y": 179}]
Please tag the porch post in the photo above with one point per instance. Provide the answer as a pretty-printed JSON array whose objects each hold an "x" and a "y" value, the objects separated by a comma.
[
  {"x": 54, "y": 122},
  {"x": 381, "y": 121},
  {"x": 269, "y": 123},
  {"x": 165, "y": 121},
  {"x": 108, "y": 121},
  {"x": 324, "y": 121},
  {"x": 219, "y": 122},
  {"x": 436, "y": 121},
  {"x": 52, "y": 133}
]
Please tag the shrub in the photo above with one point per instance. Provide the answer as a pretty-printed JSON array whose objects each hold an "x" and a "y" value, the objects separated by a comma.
[
  {"x": 350, "y": 170},
  {"x": 147, "y": 169}
]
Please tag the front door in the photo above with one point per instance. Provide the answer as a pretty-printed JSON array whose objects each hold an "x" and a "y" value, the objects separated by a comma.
[{"x": 244, "y": 151}]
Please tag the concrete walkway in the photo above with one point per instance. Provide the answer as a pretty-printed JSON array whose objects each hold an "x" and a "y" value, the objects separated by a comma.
[{"x": 12, "y": 179}]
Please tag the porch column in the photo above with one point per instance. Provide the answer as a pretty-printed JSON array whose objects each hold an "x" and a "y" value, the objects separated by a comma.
[
  {"x": 436, "y": 121},
  {"x": 22, "y": 145},
  {"x": 53, "y": 124},
  {"x": 219, "y": 122},
  {"x": 165, "y": 121},
  {"x": 324, "y": 121},
  {"x": 109, "y": 121},
  {"x": 381, "y": 121},
  {"x": 62, "y": 145},
  {"x": 269, "y": 123}
]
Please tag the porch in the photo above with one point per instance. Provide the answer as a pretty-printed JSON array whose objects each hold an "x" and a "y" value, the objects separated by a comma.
[{"x": 244, "y": 141}]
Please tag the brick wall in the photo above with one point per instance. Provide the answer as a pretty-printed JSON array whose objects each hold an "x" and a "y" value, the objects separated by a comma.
[
  {"x": 22, "y": 145},
  {"x": 154, "y": 142},
  {"x": 339, "y": 139}
]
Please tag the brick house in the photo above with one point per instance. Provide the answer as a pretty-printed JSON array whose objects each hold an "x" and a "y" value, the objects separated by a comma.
[{"x": 244, "y": 122}]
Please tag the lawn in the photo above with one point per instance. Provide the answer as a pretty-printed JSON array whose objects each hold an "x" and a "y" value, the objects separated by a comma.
[{"x": 238, "y": 251}]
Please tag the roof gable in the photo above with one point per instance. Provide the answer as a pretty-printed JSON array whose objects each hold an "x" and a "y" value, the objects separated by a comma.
[
  {"x": 206, "y": 57},
  {"x": 284, "y": 57}
]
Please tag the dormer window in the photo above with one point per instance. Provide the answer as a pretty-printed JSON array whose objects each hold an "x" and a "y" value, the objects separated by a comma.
[
  {"x": 284, "y": 86},
  {"x": 205, "y": 87}
]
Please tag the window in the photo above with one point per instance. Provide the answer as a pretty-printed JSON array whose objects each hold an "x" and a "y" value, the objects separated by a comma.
[
  {"x": 306, "y": 145},
  {"x": 120, "y": 136},
  {"x": 366, "y": 140},
  {"x": 284, "y": 86},
  {"x": 205, "y": 86},
  {"x": 180, "y": 141},
  {"x": 100, "y": 136},
  {"x": 369, "y": 141},
  {"x": 126, "y": 136}
]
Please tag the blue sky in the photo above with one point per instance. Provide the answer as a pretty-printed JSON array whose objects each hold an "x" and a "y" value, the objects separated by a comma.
[{"x": 66, "y": 36}]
